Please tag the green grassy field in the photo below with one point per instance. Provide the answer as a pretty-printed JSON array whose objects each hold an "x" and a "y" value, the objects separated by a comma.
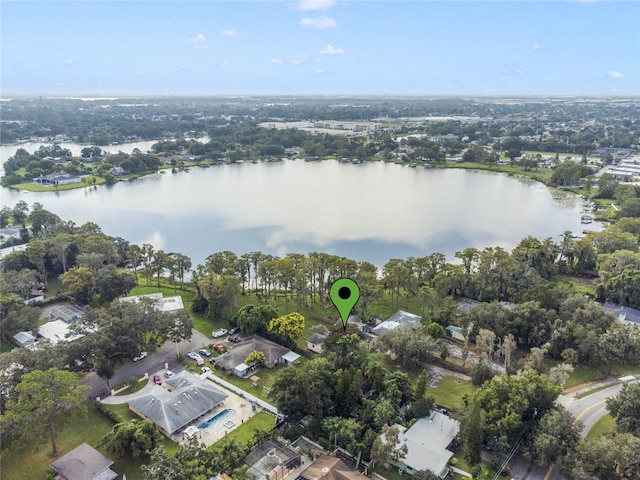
[
  {"x": 78, "y": 430},
  {"x": 260, "y": 421},
  {"x": 450, "y": 391},
  {"x": 267, "y": 378},
  {"x": 575, "y": 284}
]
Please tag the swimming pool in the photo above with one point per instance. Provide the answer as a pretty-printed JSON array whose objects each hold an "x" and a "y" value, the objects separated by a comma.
[{"x": 218, "y": 419}]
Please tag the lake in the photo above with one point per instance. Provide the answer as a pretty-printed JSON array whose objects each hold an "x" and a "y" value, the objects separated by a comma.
[{"x": 373, "y": 211}]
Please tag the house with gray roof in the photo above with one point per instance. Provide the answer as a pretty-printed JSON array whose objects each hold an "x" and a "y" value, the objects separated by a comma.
[
  {"x": 84, "y": 463},
  {"x": 398, "y": 319},
  {"x": 57, "y": 179},
  {"x": 427, "y": 444},
  {"x": 181, "y": 400},
  {"x": 24, "y": 339},
  {"x": 233, "y": 360},
  {"x": 315, "y": 341},
  {"x": 623, "y": 314}
]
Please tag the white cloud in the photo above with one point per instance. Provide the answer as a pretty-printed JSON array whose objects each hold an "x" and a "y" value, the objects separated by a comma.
[
  {"x": 296, "y": 61},
  {"x": 318, "y": 22},
  {"x": 199, "y": 41},
  {"x": 277, "y": 61},
  {"x": 616, "y": 75},
  {"x": 319, "y": 71},
  {"x": 536, "y": 46},
  {"x": 228, "y": 33},
  {"x": 306, "y": 5},
  {"x": 518, "y": 71},
  {"x": 223, "y": 64},
  {"x": 68, "y": 62},
  {"x": 331, "y": 50}
]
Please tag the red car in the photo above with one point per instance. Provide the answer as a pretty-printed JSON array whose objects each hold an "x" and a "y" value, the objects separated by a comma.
[
  {"x": 217, "y": 346},
  {"x": 157, "y": 380}
]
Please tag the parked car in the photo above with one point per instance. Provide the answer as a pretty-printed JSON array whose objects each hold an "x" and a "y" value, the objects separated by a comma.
[
  {"x": 221, "y": 332},
  {"x": 234, "y": 330},
  {"x": 205, "y": 370},
  {"x": 204, "y": 352},
  {"x": 192, "y": 355},
  {"x": 157, "y": 380},
  {"x": 169, "y": 374},
  {"x": 140, "y": 356},
  {"x": 217, "y": 346},
  {"x": 234, "y": 339}
]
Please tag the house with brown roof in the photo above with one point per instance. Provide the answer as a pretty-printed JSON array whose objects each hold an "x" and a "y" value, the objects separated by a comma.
[
  {"x": 330, "y": 468},
  {"x": 84, "y": 463}
]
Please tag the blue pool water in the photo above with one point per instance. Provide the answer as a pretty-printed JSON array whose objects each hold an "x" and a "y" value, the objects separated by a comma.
[{"x": 218, "y": 419}]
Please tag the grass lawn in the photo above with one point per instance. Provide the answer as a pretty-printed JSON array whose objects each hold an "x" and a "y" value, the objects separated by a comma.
[
  {"x": 78, "y": 430},
  {"x": 32, "y": 187},
  {"x": 575, "y": 284},
  {"x": 267, "y": 378},
  {"x": 54, "y": 285},
  {"x": 260, "y": 421},
  {"x": 450, "y": 390},
  {"x": 605, "y": 426}
]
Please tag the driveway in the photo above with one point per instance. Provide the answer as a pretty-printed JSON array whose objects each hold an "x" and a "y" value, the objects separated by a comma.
[{"x": 153, "y": 363}]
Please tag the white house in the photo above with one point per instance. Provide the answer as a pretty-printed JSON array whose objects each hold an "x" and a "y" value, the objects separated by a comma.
[{"x": 427, "y": 444}]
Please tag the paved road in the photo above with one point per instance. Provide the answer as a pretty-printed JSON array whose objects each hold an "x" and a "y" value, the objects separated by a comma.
[
  {"x": 154, "y": 362},
  {"x": 588, "y": 410},
  {"x": 591, "y": 408}
]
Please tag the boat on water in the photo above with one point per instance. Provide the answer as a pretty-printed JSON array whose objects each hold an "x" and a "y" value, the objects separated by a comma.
[{"x": 586, "y": 219}]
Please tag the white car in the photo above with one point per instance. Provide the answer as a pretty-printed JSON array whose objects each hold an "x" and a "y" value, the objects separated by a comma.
[
  {"x": 205, "y": 370},
  {"x": 192, "y": 355},
  {"x": 169, "y": 374},
  {"x": 221, "y": 332},
  {"x": 140, "y": 356}
]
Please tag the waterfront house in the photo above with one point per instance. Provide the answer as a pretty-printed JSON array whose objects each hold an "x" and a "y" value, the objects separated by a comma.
[{"x": 57, "y": 179}]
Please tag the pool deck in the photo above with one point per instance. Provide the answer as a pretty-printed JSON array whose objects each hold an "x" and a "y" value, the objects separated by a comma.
[{"x": 208, "y": 436}]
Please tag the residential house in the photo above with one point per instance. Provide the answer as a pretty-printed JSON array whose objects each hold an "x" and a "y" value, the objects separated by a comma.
[
  {"x": 24, "y": 340},
  {"x": 233, "y": 360},
  {"x": 169, "y": 304},
  {"x": 181, "y": 400},
  {"x": 427, "y": 444},
  {"x": 84, "y": 463},
  {"x": 57, "y": 179},
  {"x": 272, "y": 461},
  {"x": 326, "y": 467},
  {"x": 118, "y": 171},
  {"x": 455, "y": 332},
  {"x": 398, "y": 319},
  {"x": 9, "y": 233},
  {"x": 57, "y": 329},
  {"x": 624, "y": 314},
  {"x": 315, "y": 341}
]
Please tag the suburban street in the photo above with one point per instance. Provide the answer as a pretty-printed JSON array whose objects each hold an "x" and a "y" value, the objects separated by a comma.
[
  {"x": 153, "y": 363},
  {"x": 588, "y": 410}
]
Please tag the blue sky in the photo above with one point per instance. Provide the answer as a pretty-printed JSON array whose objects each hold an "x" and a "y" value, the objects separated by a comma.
[{"x": 562, "y": 47}]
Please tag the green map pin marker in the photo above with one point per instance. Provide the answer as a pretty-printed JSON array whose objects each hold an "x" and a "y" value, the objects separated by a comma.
[{"x": 344, "y": 294}]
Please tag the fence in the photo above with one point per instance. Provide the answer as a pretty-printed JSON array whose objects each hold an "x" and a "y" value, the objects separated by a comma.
[{"x": 242, "y": 393}]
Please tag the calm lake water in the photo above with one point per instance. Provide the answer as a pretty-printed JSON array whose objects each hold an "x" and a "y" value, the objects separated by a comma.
[{"x": 372, "y": 212}]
